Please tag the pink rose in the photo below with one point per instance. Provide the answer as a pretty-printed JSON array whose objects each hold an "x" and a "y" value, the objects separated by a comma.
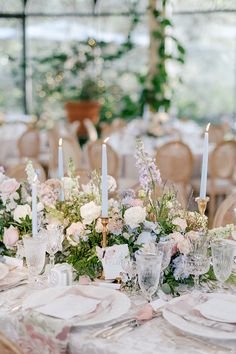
[
  {"x": 8, "y": 187},
  {"x": 180, "y": 223},
  {"x": 10, "y": 236}
]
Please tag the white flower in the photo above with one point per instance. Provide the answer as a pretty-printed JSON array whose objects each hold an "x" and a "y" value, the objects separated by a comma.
[
  {"x": 134, "y": 216},
  {"x": 90, "y": 189},
  {"x": 90, "y": 212},
  {"x": 30, "y": 171},
  {"x": 71, "y": 186},
  {"x": 75, "y": 232},
  {"x": 21, "y": 212}
]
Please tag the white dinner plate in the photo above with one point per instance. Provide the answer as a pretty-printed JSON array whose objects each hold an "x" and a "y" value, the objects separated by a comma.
[
  {"x": 220, "y": 308},
  {"x": 4, "y": 270},
  {"x": 194, "y": 328},
  {"x": 120, "y": 303}
]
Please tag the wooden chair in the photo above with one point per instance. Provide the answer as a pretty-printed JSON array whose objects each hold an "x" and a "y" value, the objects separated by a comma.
[
  {"x": 95, "y": 158},
  {"x": 29, "y": 144},
  {"x": 217, "y": 133},
  {"x": 71, "y": 150},
  {"x": 7, "y": 346},
  {"x": 91, "y": 130},
  {"x": 18, "y": 171},
  {"x": 226, "y": 213},
  {"x": 175, "y": 161},
  {"x": 108, "y": 129}
]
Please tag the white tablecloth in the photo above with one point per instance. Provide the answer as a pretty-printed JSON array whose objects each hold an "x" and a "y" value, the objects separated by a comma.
[{"x": 154, "y": 337}]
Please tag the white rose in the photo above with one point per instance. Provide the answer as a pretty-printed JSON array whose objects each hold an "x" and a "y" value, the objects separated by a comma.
[
  {"x": 21, "y": 211},
  {"x": 134, "y": 216},
  {"x": 180, "y": 223},
  {"x": 90, "y": 212}
]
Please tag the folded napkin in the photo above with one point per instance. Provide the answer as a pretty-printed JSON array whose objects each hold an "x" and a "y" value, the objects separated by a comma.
[
  {"x": 187, "y": 309},
  {"x": 13, "y": 277},
  {"x": 69, "y": 306}
]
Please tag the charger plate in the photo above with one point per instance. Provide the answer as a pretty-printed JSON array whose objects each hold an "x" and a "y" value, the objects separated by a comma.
[
  {"x": 120, "y": 303},
  {"x": 197, "y": 329}
]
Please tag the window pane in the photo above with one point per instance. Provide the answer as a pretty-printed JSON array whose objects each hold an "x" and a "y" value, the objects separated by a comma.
[
  {"x": 60, "y": 6},
  {"x": 208, "y": 89},
  {"x": 11, "y": 6},
  {"x": 10, "y": 66}
]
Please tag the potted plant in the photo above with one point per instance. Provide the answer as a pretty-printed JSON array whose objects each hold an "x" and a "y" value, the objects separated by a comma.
[{"x": 85, "y": 104}]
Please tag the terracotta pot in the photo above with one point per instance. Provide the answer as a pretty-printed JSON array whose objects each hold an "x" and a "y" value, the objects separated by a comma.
[{"x": 80, "y": 110}]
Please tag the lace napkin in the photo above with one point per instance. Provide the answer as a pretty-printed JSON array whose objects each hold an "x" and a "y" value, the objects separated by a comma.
[{"x": 187, "y": 308}]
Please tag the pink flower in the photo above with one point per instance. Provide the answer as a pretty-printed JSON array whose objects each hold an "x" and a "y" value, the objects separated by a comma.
[
  {"x": 136, "y": 202},
  {"x": 9, "y": 187},
  {"x": 183, "y": 244},
  {"x": 10, "y": 236},
  {"x": 180, "y": 223},
  {"x": 49, "y": 192},
  {"x": 75, "y": 232}
]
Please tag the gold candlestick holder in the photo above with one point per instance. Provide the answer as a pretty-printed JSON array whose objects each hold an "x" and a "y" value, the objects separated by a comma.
[
  {"x": 202, "y": 204},
  {"x": 104, "y": 232}
]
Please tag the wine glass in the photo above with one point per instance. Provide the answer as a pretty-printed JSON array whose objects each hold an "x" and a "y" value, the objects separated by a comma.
[
  {"x": 54, "y": 237},
  {"x": 149, "y": 269},
  {"x": 222, "y": 257},
  {"x": 165, "y": 246},
  {"x": 35, "y": 250},
  {"x": 197, "y": 265}
]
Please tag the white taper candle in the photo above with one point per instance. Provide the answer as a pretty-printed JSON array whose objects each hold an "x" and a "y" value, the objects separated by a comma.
[
  {"x": 34, "y": 208},
  {"x": 104, "y": 180},
  {"x": 60, "y": 166},
  {"x": 203, "y": 186}
]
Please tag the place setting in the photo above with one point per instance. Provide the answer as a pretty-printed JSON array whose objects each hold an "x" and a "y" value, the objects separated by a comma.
[{"x": 117, "y": 177}]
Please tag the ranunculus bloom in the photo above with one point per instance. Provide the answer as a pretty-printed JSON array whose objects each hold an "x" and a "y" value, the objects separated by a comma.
[
  {"x": 183, "y": 243},
  {"x": 8, "y": 187},
  {"x": 10, "y": 236},
  {"x": 21, "y": 212},
  {"x": 90, "y": 212},
  {"x": 134, "y": 216},
  {"x": 180, "y": 223}
]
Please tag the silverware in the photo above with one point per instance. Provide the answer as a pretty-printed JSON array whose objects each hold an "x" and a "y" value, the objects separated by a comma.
[
  {"x": 22, "y": 282},
  {"x": 112, "y": 326}
]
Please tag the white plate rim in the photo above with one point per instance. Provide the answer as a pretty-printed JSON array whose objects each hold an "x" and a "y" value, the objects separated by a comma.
[
  {"x": 120, "y": 306},
  {"x": 195, "y": 329}
]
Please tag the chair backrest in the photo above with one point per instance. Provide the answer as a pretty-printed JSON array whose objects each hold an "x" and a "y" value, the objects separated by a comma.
[
  {"x": 216, "y": 133},
  {"x": 29, "y": 143},
  {"x": 95, "y": 158},
  {"x": 91, "y": 130},
  {"x": 222, "y": 160},
  {"x": 7, "y": 346},
  {"x": 175, "y": 162},
  {"x": 225, "y": 214},
  {"x": 18, "y": 171},
  {"x": 71, "y": 151},
  {"x": 84, "y": 176}
]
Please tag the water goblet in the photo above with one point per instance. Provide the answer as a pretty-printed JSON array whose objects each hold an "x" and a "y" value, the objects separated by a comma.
[
  {"x": 166, "y": 247},
  {"x": 197, "y": 265},
  {"x": 222, "y": 258},
  {"x": 35, "y": 250},
  {"x": 54, "y": 237},
  {"x": 149, "y": 269}
]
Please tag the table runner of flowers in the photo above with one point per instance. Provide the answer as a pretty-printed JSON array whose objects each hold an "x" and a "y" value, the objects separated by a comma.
[{"x": 135, "y": 218}]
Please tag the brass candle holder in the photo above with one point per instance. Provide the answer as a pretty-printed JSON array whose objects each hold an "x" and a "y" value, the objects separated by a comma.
[
  {"x": 104, "y": 231},
  {"x": 202, "y": 204}
]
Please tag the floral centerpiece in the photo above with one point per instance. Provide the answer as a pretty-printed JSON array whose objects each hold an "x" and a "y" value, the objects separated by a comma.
[{"x": 136, "y": 218}]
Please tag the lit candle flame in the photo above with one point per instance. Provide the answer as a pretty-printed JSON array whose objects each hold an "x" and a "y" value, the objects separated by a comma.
[
  {"x": 207, "y": 127},
  {"x": 106, "y": 140},
  {"x": 60, "y": 142}
]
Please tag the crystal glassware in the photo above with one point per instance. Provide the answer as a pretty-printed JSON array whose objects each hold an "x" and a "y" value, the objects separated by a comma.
[
  {"x": 197, "y": 265},
  {"x": 54, "y": 237},
  {"x": 35, "y": 250},
  {"x": 149, "y": 269},
  {"x": 222, "y": 258},
  {"x": 166, "y": 247}
]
